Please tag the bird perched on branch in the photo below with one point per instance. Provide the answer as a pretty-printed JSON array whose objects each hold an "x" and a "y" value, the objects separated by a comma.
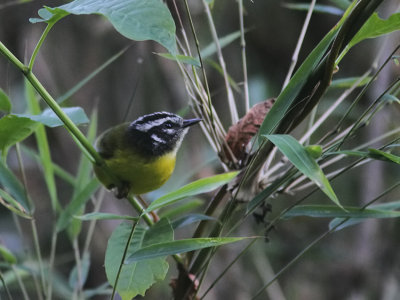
[{"x": 142, "y": 154}]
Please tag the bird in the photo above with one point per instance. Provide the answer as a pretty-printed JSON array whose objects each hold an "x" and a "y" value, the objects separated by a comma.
[{"x": 142, "y": 153}]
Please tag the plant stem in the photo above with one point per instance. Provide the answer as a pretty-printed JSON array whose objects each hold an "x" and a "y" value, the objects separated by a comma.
[
  {"x": 244, "y": 61},
  {"x": 20, "y": 283},
  {"x": 38, "y": 253},
  {"x": 97, "y": 205},
  {"x": 51, "y": 263},
  {"x": 79, "y": 283},
  {"x": 94, "y": 156},
  {"x": 39, "y": 44},
  {"x": 228, "y": 267},
  {"x": 5, "y": 287}
]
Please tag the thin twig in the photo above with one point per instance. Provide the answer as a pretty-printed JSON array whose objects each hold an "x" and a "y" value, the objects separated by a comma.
[
  {"x": 231, "y": 100},
  {"x": 296, "y": 52},
  {"x": 244, "y": 61}
]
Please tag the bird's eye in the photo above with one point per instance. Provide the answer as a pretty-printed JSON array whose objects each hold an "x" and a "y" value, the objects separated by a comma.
[{"x": 168, "y": 125}]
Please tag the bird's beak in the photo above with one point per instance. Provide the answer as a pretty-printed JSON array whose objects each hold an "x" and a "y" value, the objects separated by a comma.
[{"x": 190, "y": 122}]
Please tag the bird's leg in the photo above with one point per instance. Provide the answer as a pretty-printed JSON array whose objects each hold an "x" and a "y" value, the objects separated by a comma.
[
  {"x": 123, "y": 190},
  {"x": 156, "y": 218}
]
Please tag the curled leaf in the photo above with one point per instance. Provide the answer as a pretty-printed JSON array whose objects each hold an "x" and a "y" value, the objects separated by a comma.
[{"x": 240, "y": 134}]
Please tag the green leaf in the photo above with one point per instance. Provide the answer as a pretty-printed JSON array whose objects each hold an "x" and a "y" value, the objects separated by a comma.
[
  {"x": 180, "y": 246},
  {"x": 181, "y": 58},
  {"x": 296, "y": 83},
  {"x": 10, "y": 203},
  {"x": 375, "y": 27},
  {"x": 197, "y": 187},
  {"x": 190, "y": 219},
  {"x": 341, "y": 223},
  {"x": 49, "y": 16},
  {"x": 5, "y": 103},
  {"x": 50, "y": 119},
  {"x": 180, "y": 209},
  {"x": 304, "y": 162},
  {"x": 76, "y": 204},
  {"x": 104, "y": 216},
  {"x": 14, "y": 129},
  {"x": 137, "y": 277},
  {"x": 349, "y": 82},
  {"x": 330, "y": 211},
  {"x": 135, "y": 19},
  {"x": 375, "y": 153},
  {"x": 224, "y": 41},
  {"x": 7, "y": 255},
  {"x": 13, "y": 186},
  {"x": 327, "y": 9}
]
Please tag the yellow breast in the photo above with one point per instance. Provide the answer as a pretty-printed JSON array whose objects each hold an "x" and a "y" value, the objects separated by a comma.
[{"x": 142, "y": 175}]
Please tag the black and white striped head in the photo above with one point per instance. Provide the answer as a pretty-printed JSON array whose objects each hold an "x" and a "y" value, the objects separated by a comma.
[{"x": 158, "y": 133}]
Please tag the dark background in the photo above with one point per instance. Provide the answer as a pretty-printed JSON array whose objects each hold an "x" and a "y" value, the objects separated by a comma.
[{"x": 360, "y": 262}]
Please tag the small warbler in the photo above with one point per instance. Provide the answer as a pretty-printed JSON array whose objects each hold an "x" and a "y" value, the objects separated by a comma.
[{"x": 142, "y": 154}]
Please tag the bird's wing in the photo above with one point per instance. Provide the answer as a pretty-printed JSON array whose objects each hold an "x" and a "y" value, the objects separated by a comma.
[{"x": 110, "y": 140}]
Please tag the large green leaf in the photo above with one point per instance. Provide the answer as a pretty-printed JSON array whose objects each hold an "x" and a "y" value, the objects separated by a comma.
[
  {"x": 137, "y": 277},
  {"x": 304, "y": 162},
  {"x": 197, "y": 187},
  {"x": 138, "y": 20},
  {"x": 179, "y": 246},
  {"x": 50, "y": 119},
  {"x": 14, "y": 129}
]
